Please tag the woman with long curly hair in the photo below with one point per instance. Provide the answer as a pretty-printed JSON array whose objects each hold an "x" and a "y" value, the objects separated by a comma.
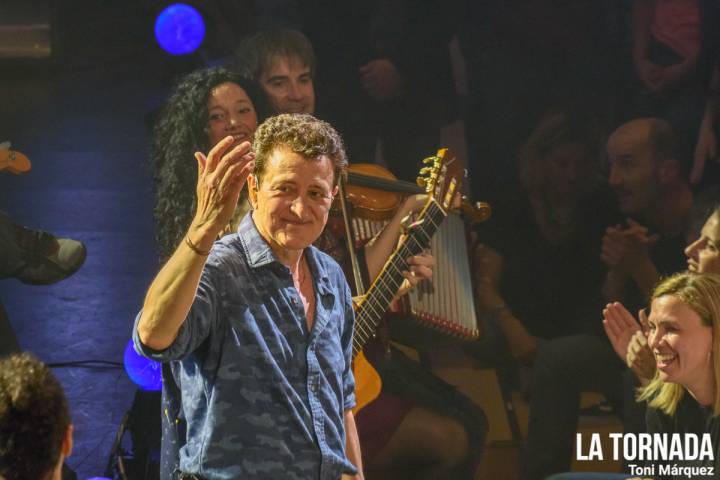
[{"x": 205, "y": 107}]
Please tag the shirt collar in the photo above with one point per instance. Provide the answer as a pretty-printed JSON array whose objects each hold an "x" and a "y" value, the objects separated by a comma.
[
  {"x": 256, "y": 248},
  {"x": 319, "y": 270},
  {"x": 259, "y": 253}
]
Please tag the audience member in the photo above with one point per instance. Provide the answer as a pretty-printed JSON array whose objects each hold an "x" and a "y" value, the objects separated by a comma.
[
  {"x": 684, "y": 335},
  {"x": 655, "y": 196},
  {"x": 683, "y": 397},
  {"x": 541, "y": 277},
  {"x": 523, "y": 58},
  {"x": 36, "y": 434},
  {"x": 674, "y": 45},
  {"x": 629, "y": 339}
]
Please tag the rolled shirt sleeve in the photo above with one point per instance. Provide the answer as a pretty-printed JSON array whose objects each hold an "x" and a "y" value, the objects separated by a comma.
[{"x": 198, "y": 324}]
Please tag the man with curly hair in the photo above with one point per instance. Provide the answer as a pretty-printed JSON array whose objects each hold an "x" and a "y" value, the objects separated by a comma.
[
  {"x": 35, "y": 428},
  {"x": 259, "y": 324}
]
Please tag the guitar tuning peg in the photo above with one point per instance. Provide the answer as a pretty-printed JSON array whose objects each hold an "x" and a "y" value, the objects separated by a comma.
[
  {"x": 426, "y": 170},
  {"x": 421, "y": 182},
  {"x": 428, "y": 160}
]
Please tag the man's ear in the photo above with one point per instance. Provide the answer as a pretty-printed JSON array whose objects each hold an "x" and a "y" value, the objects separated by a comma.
[
  {"x": 252, "y": 184},
  {"x": 67, "y": 444}
]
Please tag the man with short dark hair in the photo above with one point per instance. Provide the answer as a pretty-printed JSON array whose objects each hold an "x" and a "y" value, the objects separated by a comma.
[
  {"x": 260, "y": 323},
  {"x": 35, "y": 428}
]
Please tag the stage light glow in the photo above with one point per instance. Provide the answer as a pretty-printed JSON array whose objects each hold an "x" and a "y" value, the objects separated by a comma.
[
  {"x": 179, "y": 29},
  {"x": 144, "y": 372}
]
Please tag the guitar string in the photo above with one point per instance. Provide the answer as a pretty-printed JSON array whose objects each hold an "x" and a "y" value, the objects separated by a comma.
[{"x": 366, "y": 326}]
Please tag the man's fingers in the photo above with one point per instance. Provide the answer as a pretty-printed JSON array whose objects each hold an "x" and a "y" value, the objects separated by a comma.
[
  {"x": 411, "y": 277},
  {"x": 216, "y": 153},
  {"x": 236, "y": 174},
  {"x": 421, "y": 259},
  {"x": 423, "y": 272},
  {"x": 201, "y": 162},
  {"x": 240, "y": 155}
]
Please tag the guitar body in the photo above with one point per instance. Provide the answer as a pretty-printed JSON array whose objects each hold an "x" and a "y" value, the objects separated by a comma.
[
  {"x": 442, "y": 185},
  {"x": 14, "y": 162},
  {"x": 367, "y": 382}
]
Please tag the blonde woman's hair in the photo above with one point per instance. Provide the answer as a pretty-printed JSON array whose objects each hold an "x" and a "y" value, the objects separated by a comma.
[{"x": 700, "y": 292}]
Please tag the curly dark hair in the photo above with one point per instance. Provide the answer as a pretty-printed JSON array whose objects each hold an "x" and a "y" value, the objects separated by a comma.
[
  {"x": 34, "y": 418},
  {"x": 180, "y": 131},
  {"x": 303, "y": 134}
]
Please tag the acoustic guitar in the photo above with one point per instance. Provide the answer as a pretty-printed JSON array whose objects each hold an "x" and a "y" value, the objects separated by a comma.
[
  {"x": 12, "y": 160},
  {"x": 441, "y": 179}
]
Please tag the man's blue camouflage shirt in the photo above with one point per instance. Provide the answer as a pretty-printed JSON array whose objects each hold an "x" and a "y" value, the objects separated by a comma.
[{"x": 262, "y": 396}]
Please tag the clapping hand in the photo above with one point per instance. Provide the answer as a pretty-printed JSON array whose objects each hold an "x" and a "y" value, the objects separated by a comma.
[
  {"x": 624, "y": 249},
  {"x": 639, "y": 357},
  {"x": 628, "y": 339},
  {"x": 619, "y": 326}
]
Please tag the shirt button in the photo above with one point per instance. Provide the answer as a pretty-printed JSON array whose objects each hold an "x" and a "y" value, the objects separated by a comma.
[{"x": 293, "y": 300}]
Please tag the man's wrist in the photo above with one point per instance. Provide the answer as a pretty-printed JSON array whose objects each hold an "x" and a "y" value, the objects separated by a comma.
[{"x": 200, "y": 236}]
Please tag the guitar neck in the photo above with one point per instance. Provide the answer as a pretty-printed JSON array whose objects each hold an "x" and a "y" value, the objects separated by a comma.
[{"x": 386, "y": 285}]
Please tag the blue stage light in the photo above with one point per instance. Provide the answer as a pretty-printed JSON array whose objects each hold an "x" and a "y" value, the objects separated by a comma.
[
  {"x": 144, "y": 372},
  {"x": 179, "y": 29}
]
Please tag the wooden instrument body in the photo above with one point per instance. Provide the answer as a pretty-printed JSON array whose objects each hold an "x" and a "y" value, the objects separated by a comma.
[
  {"x": 14, "y": 161},
  {"x": 367, "y": 382},
  {"x": 442, "y": 187}
]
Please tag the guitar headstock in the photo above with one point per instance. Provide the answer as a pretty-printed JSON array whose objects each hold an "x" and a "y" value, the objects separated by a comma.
[{"x": 442, "y": 177}]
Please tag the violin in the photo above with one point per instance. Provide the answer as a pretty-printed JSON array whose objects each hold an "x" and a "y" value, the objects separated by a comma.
[{"x": 375, "y": 194}]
